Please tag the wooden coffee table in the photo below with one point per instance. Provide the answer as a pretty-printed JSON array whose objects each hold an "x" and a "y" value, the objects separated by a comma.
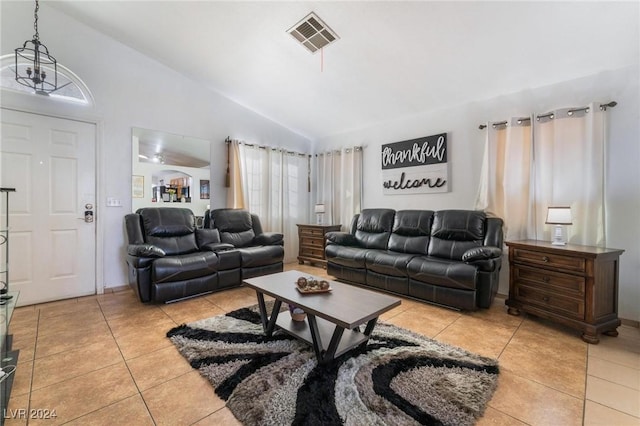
[{"x": 329, "y": 315}]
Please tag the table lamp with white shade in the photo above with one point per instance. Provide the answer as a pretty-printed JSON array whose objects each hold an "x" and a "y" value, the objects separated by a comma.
[{"x": 559, "y": 216}]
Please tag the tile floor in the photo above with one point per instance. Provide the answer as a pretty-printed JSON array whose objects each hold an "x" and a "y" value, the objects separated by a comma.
[{"x": 105, "y": 360}]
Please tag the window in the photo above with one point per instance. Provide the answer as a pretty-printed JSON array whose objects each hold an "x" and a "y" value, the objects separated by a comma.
[{"x": 70, "y": 87}]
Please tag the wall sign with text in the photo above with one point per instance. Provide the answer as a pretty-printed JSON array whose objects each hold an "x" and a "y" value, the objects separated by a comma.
[{"x": 416, "y": 166}]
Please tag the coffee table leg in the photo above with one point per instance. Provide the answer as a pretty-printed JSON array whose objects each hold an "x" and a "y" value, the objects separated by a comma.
[
  {"x": 321, "y": 354},
  {"x": 268, "y": 323},
  {"x": 370, "y": 326},
  {"x": 263, "y": 310},
  {"x": 315, "y": 336},
  {"x": 333, "y": 344},
  {"x": 274, "y": 316}
]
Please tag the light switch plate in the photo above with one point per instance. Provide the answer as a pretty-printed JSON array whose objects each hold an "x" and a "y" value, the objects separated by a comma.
[{"x": 113, "y": 202}]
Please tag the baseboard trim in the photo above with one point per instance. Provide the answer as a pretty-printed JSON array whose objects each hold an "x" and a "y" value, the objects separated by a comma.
[
  {"x": 116, "y": 289},
  {"x": 630, "y": 323}
]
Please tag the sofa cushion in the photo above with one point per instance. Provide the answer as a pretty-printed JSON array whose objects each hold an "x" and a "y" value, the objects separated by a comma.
[
  {"x": 442, "y": 272},
  {"x": 352, "y": 257},
  {"x": 269, "y": 239},
  {"x": 182, "y": 244},
  {"x": 411, "y": 230},
  {"x": 261, "y": 255},
  {"x": 206, "y": 236},
  {"x": 461, "y": 225},
  {"x": 167, "y": 222},
  {"x": 456, "y": 231},
  {"x": 374, "y": 228},
  {"x": 388, "y": 262},
  {"x": 235, "y": 226},
  {"x": 184, "y": 266},
  {"x": 170, "y": 229}
]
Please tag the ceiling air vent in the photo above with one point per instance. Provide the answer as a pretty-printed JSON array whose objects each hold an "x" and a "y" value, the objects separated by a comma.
[{"x": 312, "y": 33}]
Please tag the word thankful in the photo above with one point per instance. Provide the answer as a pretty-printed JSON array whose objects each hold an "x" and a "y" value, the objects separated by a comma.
[
  {"x": 415, "y": 183},
  {"x": 422, "y": 151}
]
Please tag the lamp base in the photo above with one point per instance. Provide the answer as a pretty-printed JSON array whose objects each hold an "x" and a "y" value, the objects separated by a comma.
[
  {"x": 558, "y": 236},
  {"x": 319, "y": 216}
]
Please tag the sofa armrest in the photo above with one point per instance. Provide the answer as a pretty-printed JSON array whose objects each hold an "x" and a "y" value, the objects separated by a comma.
[
  {"x": 485, "y": 258},
  {"x": 481, "y": 253},
  {"x": 145, "y": 250},
  {"x": 269, "y": 239},
  {"x": 216, "y": 247},
  {"x": 341, "y": 238}
]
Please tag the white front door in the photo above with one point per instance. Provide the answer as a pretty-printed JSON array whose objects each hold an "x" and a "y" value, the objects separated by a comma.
[{"x": 51, "y": 164}]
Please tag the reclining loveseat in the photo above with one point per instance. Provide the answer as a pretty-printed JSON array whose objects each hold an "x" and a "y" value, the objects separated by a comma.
[
  {"x": 447, "y": 257},
  {"x": 170, "y": 259}
]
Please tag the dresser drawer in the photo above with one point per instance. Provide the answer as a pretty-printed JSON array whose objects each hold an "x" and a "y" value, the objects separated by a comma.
[
  {"x": 552, "y": 260},
  {"x": 317, "y": 253},
  {"x": 571, "y": 285},
  {"x": 550, "y": 301},
  {"x": 312, "y": 241},
  {"x": 311, "y": 232}
]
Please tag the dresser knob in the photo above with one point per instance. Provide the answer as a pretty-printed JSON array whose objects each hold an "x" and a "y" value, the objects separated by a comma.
[
  {"x": 546, "y": 279},
  {"x": 545, "y": 259},
  {"x": 545, "y": 298}
]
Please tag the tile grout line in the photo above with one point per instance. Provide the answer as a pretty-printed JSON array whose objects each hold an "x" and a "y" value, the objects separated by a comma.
[
  {"x": 616, "y": 363},
  {"x": 586, "y": 385},
  {"x": 33, "y": 365},
  {"x": 115, "y": 339},
  {"x": 610, "y": 408},
  {"x": 510, "y": 338},
  {"x": 613, "y": 383}
]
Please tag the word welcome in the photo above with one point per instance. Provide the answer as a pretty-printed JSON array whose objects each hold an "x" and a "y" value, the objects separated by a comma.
[{"x": 415, "y": 183}]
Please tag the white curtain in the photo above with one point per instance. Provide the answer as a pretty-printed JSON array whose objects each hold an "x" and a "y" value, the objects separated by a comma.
[
  {"x": 274, "y": 184},
  {"x": 339, "y": 184},
  {"x": 505, "y": 183},
  {"x": 556, "y": 161},
  {"x": 569, "y": 152}
]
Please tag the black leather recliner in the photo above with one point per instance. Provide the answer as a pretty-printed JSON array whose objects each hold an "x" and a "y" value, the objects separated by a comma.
[
  {"x": 261, "y": 252},
  {"x": 449, "y": 257},
  {"x": 170, "y": 259}
]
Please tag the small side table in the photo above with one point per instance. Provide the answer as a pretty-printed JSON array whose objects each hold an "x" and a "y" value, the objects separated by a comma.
[
  {"x": 311, "y": 241},
  {"x": 574, "y": 285}
]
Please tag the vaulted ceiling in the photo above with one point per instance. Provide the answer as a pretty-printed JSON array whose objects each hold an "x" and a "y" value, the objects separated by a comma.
[{"x": 392, "y": 59}]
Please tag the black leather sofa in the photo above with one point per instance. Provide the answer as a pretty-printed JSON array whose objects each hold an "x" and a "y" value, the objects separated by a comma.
[
  {"x": 447, "y": 257},
  {"x": 170, "y": 259}
]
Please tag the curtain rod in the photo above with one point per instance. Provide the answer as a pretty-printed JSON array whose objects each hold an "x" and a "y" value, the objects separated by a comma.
[
  {"x": 603, "y": 107},
  {"x": 339, "y": 151},
  {"x": 228, "y": 141}
]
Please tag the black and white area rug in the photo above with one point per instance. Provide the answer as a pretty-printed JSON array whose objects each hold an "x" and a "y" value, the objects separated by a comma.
[{"x": 400, "y": 378}]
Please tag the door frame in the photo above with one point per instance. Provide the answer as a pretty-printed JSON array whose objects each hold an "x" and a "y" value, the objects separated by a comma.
[{"x": 98, "y": 122}]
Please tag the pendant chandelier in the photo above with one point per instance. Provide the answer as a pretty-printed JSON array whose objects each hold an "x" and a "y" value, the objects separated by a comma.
[{"x": 33, "y": 74}]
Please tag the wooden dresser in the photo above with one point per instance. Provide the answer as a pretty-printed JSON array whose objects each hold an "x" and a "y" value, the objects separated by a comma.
[
  {"x": 573, "y": 285},
  {"x": 312, "y": 242}
]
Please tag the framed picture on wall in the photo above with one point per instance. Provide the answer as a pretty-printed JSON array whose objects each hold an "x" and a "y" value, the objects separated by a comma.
[
  {"x": 137, "y": 186},
  {"x": 204, "y": 189}
]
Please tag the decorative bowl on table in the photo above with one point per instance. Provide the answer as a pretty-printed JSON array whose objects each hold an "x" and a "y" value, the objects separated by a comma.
[{"x": 312, "y": 285}]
